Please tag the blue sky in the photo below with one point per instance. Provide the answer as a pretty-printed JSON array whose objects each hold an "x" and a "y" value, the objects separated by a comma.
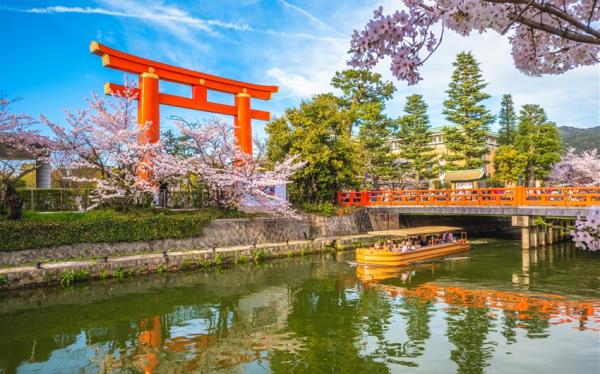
[{"x": 297, "y": 45}]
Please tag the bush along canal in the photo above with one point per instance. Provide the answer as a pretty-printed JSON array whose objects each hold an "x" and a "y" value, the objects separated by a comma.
[{"x": 493, "y": 309}]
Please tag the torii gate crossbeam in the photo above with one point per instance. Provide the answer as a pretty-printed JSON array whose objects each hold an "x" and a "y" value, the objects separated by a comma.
[{"x": 149, "y": 97}]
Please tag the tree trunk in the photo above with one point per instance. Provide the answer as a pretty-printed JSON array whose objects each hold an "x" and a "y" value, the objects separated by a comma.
[
  {"x": 531, "y": 176},
  {"x": 14, "y": 202}
]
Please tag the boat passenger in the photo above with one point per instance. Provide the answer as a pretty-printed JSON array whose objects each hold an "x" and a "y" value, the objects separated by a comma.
[
  {"x": 404, "y": 248},
  {"x": 450, "y": 237}
]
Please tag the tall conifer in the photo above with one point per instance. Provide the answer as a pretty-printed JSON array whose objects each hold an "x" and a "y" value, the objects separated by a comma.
[
  {"x": 414, "y": 137},
  {"x": 507, "y": 119},
  {"x": 466, "y": 140}
]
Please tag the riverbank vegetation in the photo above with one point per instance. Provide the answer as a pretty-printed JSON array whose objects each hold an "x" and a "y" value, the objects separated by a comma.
[{"x": 38, "y": 230}]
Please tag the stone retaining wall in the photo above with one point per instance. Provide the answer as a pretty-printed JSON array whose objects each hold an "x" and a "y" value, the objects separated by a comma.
[
  {"x": 128, "y": 266},
  {"x": 218, "y": 233}
]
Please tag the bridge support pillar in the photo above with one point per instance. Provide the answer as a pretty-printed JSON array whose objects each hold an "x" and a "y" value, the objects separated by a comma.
[
  {"x": 541, "y": 232},
  {"x": 525, "y": 243},
  {"x": 528, "y": 231},
  {"x": 549, "y": 235},
  {"x": 533, "y": 234}
]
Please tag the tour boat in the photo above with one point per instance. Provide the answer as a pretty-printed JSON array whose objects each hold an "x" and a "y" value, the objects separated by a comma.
[{"x": 382, "y": 257}]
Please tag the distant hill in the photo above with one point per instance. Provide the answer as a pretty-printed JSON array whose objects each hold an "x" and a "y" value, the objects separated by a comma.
[{"x": 580, "y": 139}]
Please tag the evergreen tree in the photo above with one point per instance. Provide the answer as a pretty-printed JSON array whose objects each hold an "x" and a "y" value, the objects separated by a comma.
[
  {"x": 363, "y": 99},
  {"x": 316, "y": 131},
  {"x": 464, "y": 110},
  {"x": 414, "y": 137},
  {"x": 507, "y": 120},
  {"x": 539, "y": 140}
]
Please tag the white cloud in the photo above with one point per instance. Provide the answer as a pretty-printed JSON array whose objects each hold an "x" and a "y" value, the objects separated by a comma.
[
  {"x": 296, "y": 84},
  {"x": 308, "y": 15}
]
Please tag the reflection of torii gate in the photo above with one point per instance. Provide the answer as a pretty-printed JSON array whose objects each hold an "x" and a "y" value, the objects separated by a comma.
[{"x": 150, "y": 72}]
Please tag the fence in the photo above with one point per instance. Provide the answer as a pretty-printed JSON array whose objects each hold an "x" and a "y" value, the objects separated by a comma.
[
  {"x": 517, "y": 196},
  {"x": 74, "y": 199}
]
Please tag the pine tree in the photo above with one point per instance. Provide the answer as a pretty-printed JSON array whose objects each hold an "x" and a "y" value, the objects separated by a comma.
[
  {"x": 539, "y": 140},
  {"x": 414, "y": 137},
  {"x": 470, "y": 118},
  {"x": 363, "y": 99},
  {"x": 507, "y": 120}
]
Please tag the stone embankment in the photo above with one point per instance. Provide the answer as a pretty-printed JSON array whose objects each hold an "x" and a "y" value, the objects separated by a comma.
[{"x": 223, "y": 241}]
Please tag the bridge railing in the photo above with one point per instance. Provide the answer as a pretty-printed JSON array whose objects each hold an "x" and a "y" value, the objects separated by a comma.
[{"x": 516, "y": 196}]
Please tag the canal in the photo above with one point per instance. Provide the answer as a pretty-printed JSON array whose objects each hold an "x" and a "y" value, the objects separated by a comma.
[{"x": 495, "y": 309}]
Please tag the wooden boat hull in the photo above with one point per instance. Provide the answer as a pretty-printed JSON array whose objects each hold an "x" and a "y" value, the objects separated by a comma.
[{"x": 378, "y": 257}]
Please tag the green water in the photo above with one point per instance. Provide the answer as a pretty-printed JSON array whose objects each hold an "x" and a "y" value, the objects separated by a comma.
[{"x": 496, "y": 309}]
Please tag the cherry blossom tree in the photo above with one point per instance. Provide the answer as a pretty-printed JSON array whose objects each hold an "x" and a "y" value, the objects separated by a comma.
[
  {"x": 235, "y": 177},
  {"x": 105, "y": 138},
  {"x": 577, "y": 170},
  {"x": 547, "y": 36},
  {"x": 586, "y": 233},
  {"x": 20, "y": 144}
]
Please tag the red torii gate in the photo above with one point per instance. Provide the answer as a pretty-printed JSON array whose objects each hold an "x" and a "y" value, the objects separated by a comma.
[{"x": 149, "y": 97}]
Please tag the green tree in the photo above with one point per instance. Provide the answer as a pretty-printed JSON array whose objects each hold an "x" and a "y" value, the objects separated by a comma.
[
  {"x": 539, "y": 140},
  {"x": 363, "y": 99},
  {"x": 464, "y": 110},
  {"x": 414, "y": 137},
  {"x": 509, "y": 163},
  {"x": 316, "y": 132},
  {"x": 176, "y": 145},
  {"x": 363, "y": 94},
  {"x": 507, "y": 119}
]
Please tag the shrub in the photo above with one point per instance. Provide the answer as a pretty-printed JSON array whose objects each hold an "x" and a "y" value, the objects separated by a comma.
[
  {"x": 70, "y": 277},
  {"x": 259, "y": 255},
  {"x": 162, "y": 268},
  {"x": 3, "y": 280},
  {"x": 45, "y": 230},
  {"x": 220, "y": 259}
]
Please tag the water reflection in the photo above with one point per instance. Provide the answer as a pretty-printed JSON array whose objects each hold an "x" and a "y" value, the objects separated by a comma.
[{"x": 320, "y": 315}]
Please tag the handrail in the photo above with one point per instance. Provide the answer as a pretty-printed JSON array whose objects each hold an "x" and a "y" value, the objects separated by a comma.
[{"x": 515, "y": 196}]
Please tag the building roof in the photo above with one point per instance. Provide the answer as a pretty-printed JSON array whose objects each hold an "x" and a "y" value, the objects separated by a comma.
[
  {"x": 440, "y": 130},
  {"x": 464, "y": 175}
]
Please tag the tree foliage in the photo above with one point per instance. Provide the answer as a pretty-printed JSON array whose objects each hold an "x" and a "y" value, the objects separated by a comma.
[
  {"x": 363, "y": 99},
  {"x": 509, "y": 163},
  {"x": 19, "y": 142},
  {"x": 414, "y": 137},
  {"x": 507, "y": 119},
  {"x": 538, "y": 139},
  {"x": 317, "y": 133},
  {"x": 466, "y": 141}
]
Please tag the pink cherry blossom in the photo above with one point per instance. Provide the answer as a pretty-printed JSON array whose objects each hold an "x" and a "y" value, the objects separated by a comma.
[
  {"x": 577, "y": 170},
  {"x": 586, "y": 233},
  {"x": 547, "y": 36},
  {"x": 18, "y": 139}
]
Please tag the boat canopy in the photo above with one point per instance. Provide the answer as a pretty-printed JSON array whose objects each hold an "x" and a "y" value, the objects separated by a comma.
[{"x": 416, "y": 231}]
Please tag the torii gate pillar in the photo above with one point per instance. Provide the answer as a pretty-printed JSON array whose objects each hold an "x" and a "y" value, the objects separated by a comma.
[{"x": 149, "y": 106}]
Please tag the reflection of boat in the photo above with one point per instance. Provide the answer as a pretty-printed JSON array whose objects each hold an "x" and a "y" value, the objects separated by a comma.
[
  {"x": 374, "y": 274},
  {"x": 383, "y": 257}
]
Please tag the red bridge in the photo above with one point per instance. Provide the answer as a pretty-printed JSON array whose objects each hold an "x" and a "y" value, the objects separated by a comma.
[{"x": 491, "y": 197}]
